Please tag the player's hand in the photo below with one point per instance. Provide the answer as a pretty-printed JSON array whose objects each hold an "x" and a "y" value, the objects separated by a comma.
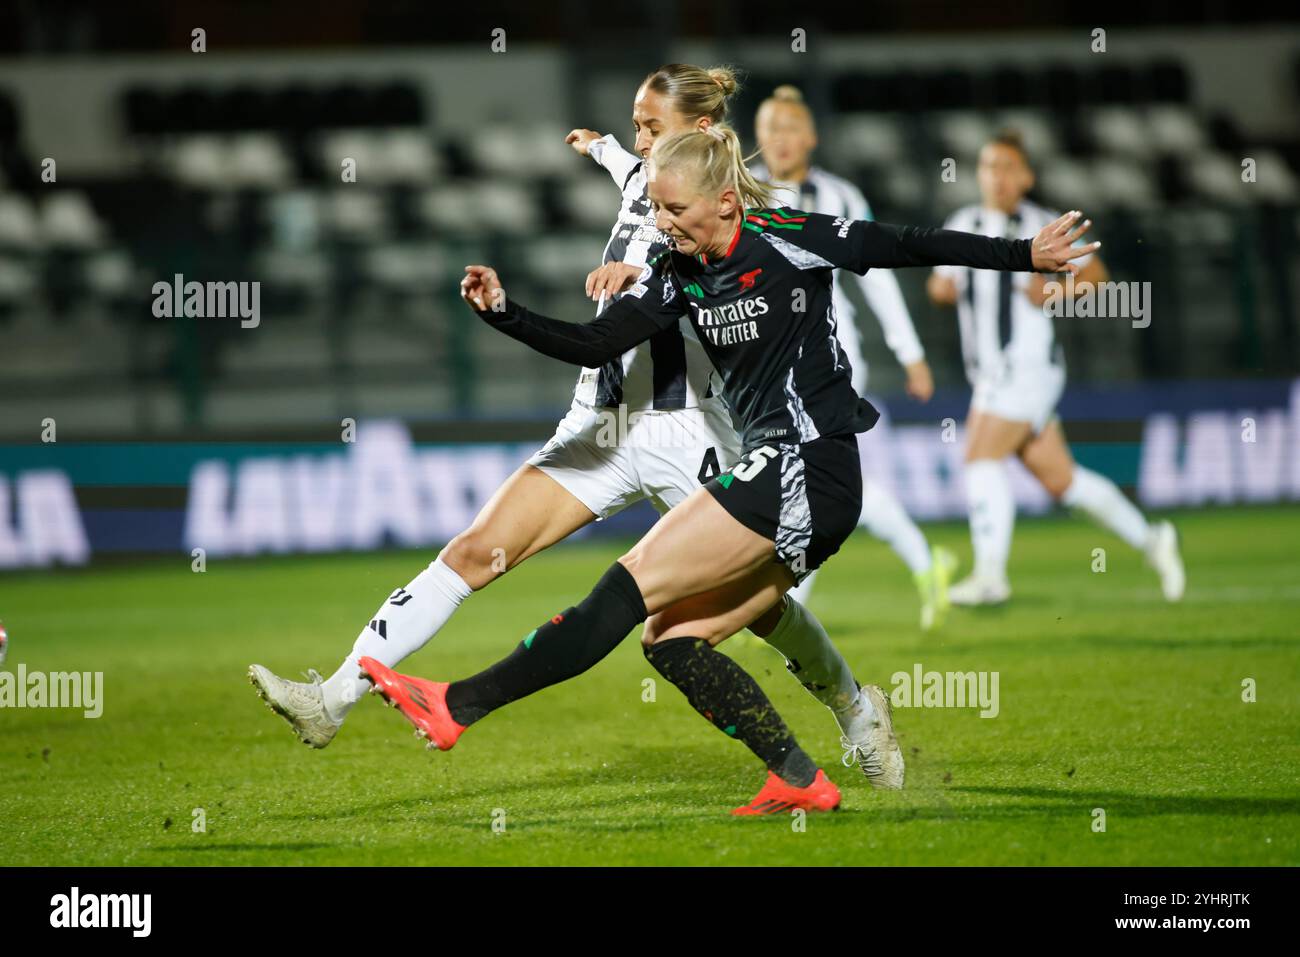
[
  {"x": 1053, "y": 247},
  {"x": 611, "y": 279},
  {"x": 942, "y": 290},
  {"x": 581, "y": 140},
  {"x": 482, "y": 290},
  {"x": 920, "y": 383}
]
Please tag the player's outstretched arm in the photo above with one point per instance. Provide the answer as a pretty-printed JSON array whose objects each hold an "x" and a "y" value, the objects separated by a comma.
[
  {"x": 619, "y": 328},
  {"x": 881, "y": 245}
]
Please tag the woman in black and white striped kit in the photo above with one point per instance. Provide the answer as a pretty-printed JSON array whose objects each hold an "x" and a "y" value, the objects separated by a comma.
[
  {"x": 1017, "y": 371},
  {"x": 787, "y": 136}
]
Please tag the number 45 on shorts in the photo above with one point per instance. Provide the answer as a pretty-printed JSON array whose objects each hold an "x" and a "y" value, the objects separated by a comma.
[{"x": 753, "y": 464}]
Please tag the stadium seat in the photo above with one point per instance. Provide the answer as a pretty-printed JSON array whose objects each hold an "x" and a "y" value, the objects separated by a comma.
[
  {"x": 68, "y": 221},
  {"x": 18, "y": 285},
  {"x": 1035, "y": 129},
  {"x": 19, "y": 227},
  {"x": 1218, "y": 179},
  {"x": 201, "y": 162},
  {"x": 418, "y": 268},
  {"x": 509, "y": 208},
  {"x": 868, "y": 137},
  {"x": 961, "y": 134},
  {"x": 1123, "y": 181},
  {"x": 1173, "y": 129},
  {"x": 355, "y": 214},
  {"x": 1067, "y": 184},
  {"x": 259, "y": 161},
  {"x": 587, "y": 201},
  {"x": 1119, "y": 129},
  {"x": 1274, "y": 180}
]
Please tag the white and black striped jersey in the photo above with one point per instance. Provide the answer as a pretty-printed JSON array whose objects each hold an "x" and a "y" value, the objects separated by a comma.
[
  {"x": 998, "y": 322},
  {"x": 763, "y": 313},
  {"x": 670, "y": 371},
  {"x": 823, "y": 192}
]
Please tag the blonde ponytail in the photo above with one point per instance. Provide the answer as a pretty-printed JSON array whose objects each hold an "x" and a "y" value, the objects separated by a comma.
[{"x": 712, "y": 161}]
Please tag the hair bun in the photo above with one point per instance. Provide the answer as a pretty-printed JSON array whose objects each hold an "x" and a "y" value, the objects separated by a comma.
[
  {"x": 725, "y": 77},
  {"x": 787, "y": 93}
]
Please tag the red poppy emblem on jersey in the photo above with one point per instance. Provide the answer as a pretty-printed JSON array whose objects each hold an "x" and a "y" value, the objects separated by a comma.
[{"x": 747, "y": 279}]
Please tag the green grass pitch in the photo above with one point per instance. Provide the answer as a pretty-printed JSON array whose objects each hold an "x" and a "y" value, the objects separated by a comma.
[{"x": 1109, "y": 699}]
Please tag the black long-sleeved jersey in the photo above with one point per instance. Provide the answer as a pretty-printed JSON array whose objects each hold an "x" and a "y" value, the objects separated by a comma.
[{"x": 763, "y": 314}]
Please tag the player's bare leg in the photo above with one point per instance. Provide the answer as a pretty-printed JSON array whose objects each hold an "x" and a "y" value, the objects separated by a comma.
[
  {"x": 1047, "y": 456},
  {"x": 862, "y": 713},
  {"x": 989, "y": 440},
  {"x": 528, "y": 513}
]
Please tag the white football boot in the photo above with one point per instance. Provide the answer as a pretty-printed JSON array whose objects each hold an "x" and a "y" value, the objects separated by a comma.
[
  {"x": 299, "y": 703},
  {"x": 1163, "y": 555},
  {"x": 980, "y": 589},
  {"x": 871, "y": 741}
]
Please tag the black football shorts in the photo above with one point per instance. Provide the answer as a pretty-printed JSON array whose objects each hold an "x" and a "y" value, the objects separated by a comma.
[{"x": 805, "y": 498}]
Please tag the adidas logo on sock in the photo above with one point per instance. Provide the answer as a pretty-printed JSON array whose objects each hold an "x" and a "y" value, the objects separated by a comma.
[{"x": 380, "y": 627}]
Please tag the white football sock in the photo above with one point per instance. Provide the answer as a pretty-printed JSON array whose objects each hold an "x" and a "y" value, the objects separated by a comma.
[
  {"x": 812, "y": 658},
  {"x": 1106, "y": 505},
  {"x": 883, "y": 516},
  {"x": 403, "y": 625},
  {"x": 803, "y": 591},
  {"x": 992, "y": 515},
  {"x": 856, "y": 719}
]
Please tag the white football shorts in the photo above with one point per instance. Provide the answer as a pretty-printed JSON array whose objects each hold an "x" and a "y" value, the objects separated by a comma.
[
  {"x": 609, "y": 459},
  {"x": 1021, "y": 393}
]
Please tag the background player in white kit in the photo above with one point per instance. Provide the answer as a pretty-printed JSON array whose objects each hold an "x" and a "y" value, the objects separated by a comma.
[
  {"x": 679, "y": 435},
  {"x": 1017, "y": 372},
  {"x": 787, "y": 137}
]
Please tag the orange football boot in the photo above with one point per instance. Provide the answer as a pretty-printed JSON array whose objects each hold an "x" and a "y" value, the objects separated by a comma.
[
  {"x": 424, "y": 703},
  {"x": 778, "y": 797}
]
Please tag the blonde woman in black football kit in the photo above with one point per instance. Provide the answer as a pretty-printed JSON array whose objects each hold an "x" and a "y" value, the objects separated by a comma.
[{"x": 738, "y": 271}]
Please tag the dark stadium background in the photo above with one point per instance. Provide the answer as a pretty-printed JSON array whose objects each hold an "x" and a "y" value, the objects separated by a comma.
[{"x": 224, "y": 166}]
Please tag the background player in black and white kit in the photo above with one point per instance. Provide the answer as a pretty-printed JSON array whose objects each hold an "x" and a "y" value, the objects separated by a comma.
[
  {"x": 679, "y": 434},
  {"x": 740, "y": 275},
  {"x": 787, "y": 137},
  {"x": 1017, "y": 371}
]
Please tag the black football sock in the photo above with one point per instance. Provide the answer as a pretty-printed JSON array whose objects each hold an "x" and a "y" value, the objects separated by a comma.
[
  {"x": 723, "y": 692},
  {"x": 565, "y": 646}
]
